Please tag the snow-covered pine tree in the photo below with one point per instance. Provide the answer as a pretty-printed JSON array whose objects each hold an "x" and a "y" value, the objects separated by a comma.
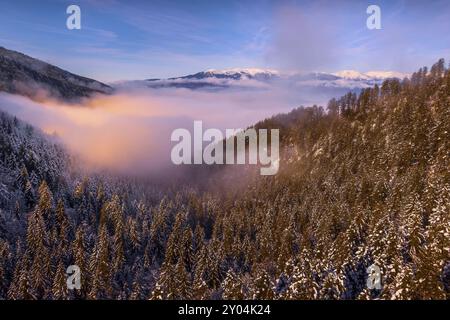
[
  {"x": 232, "y": 286},
  {"x": 59, "y": 287},
  {"x": 262, "y": 286}
]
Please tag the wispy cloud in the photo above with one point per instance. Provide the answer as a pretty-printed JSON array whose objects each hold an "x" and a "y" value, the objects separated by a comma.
[{"x": 175, "y": 38}]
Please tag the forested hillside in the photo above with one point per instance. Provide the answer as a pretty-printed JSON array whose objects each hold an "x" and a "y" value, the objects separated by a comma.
[{"x": 367, "y": 182}]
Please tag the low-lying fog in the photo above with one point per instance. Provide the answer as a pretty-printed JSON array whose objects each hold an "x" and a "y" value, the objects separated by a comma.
[{"x": 131, "y": 130}]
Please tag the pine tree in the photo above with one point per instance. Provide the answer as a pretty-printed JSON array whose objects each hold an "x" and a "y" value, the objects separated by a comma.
[
  {"x": 214, "y": 264},
  {"x": 5, "y": 256},
  {"x": 174, "y": 243},
  {"x": 403, "y": 286},
  {"x": 262, "y": 288},
  {"x": 232, "y": 286},
  {"x": 134, "y": 233},
  {"x": 79, "y": 257},
  {"x": 333, "y": 107},
  {"x": 158, "y": 232},
  {"x": 165, "y": 287},
  {"x": 436, "y": 251},
  {"x": 59, "y": 288},
  {"x": 37, "y": 242},
  {"x": 183, "y": 283},
  {"x": 187, "y": 254},
  {"x": 21, "y": 286},
  {"x": 199, "y": 236},
  {"x": 61, "y": 230},
  {"x": 200, "y": 288},
  {"x": 137, "y": 287},
  {"x": 45, "y": 199},
  {"x": 118, "y": 248},
  {"x": 158, "y": 293},
  {"x": 303, "y": 284},
  {"x": 100, "y": 267},
  {"x": 26, "y": 187},
  {"x": 332, "y": 286},
  {"x": 287, "y": 247}
]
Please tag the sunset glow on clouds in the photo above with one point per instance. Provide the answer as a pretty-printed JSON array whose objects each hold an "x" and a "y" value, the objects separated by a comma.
[{"x": 131, "y": 129}]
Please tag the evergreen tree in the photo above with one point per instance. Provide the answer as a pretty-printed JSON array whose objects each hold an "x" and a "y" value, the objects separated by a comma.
[
  {"x": 100, "y": 267},
  {"x": 232, "y": 286},
  {"x": 200, "y": 288},
  {"x": 183, "y": 283},
  {"x": 262, "y": 288},
  {"x": 59, "y": 288},
  {"x": 79, "y": 257}
]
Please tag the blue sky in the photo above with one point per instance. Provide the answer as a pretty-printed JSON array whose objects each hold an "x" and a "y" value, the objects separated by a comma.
[{"x": 146, "y": 39}]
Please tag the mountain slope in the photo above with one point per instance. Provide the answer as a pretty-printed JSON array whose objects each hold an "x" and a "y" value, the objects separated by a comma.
[
  {"x": 367, "y": 183},
  {"x": 27, "y": 157},
  {"x": 25, "y": 148},
  {"x": 21, "y": 74}
]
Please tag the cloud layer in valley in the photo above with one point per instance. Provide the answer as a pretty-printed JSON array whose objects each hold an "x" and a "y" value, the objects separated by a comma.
[{"x": 131, "y": 130}]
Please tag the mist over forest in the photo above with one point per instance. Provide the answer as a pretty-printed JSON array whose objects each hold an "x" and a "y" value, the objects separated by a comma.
[{"x": 248, "y": 151}]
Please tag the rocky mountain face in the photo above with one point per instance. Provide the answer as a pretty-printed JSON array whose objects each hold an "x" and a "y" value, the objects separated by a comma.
[{"x": 21, "y": 74}]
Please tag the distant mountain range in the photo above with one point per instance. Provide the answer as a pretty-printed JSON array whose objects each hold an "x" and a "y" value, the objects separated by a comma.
[
  {"x": 21, "y": 74},
  {"x": 24, "y": 75},
  {"x": 261, "y": 78}
]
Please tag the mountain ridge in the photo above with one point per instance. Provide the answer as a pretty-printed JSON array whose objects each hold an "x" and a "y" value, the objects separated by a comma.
[
  {"x": 253, "y": 77},
  {"x": 24, "y": 75}
]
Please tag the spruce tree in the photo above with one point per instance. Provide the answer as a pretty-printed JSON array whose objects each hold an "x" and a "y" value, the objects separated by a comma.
[
  {"x": 232, "y": 286},
  {"x": 59, "y": 287},
  {"x": 262, "y": 288}
]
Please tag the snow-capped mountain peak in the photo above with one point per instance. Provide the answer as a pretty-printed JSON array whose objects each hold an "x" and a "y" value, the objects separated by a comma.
[
  {"x": 352, "y": 74},
  {"x": 386, "y": 74},
  {"x": 370, "y": 75},
  {"x": 233, "y": 74},
  {"x": 258, "y": 78},
  {"x": 247, "y": 71}
]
